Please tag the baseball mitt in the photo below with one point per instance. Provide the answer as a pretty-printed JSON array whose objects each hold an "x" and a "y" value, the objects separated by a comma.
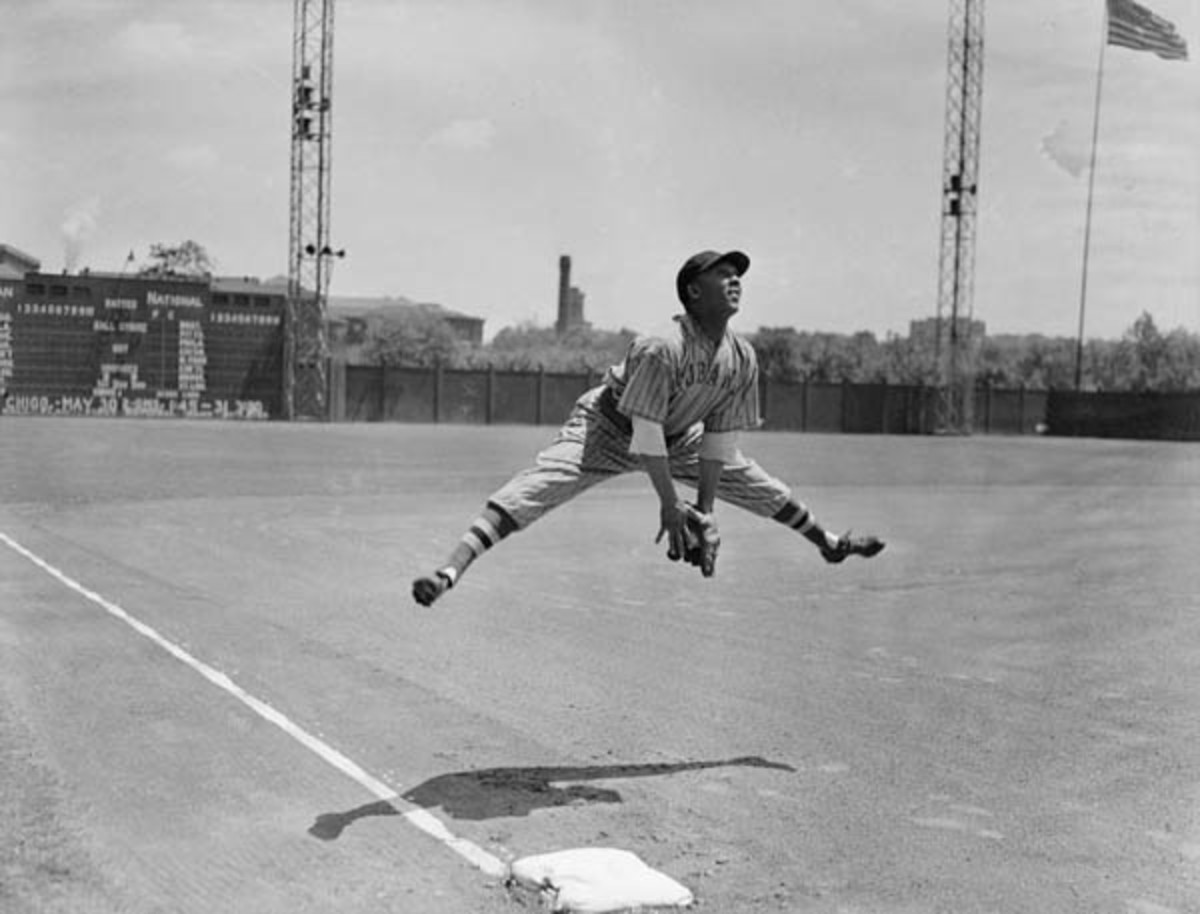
[{"x": 702, "y": 541}]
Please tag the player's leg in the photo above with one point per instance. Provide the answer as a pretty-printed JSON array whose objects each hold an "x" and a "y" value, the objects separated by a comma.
[
  {"x": 486, "y": 531},
  {"x": 745, "y": 484},
  {"x": 522, "y": 500},
  {"x": 834, "y": 548},
  {"x": 587, "y": 451}
]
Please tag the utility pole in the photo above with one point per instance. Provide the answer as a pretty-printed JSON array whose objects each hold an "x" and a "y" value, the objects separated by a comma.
[
  {"x": 306, "y": 349},
  {"x": 953, "y": 348}
]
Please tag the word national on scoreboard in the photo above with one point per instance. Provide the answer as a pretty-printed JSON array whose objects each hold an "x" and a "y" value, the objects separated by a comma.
[{"x": 106, "y": 344}]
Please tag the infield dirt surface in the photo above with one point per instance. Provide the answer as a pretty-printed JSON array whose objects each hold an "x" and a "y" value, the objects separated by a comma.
[{"x": 997, "y": 714}]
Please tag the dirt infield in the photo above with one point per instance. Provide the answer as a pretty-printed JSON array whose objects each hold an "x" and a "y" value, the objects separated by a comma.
[{"x": 996, "y": 715}]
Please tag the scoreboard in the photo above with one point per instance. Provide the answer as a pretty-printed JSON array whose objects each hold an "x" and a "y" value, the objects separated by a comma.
[{"x": 113, "y": 345}]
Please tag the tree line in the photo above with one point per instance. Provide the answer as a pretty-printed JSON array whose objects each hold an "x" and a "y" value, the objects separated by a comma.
[{"x": 1143, "y": 359}]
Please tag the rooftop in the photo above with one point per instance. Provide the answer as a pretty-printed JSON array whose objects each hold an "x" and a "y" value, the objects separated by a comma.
[{"x": 10, "y": 251}]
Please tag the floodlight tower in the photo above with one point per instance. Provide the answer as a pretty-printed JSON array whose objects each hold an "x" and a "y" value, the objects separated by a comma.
[
  {"x": 953, "y": 351},
  {"x": 306, "y": 349}
]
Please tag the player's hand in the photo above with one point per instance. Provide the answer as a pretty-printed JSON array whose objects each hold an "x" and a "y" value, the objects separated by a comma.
[
  {"x": 672, "y": 523},
  {"x": 703, "y": 541}
]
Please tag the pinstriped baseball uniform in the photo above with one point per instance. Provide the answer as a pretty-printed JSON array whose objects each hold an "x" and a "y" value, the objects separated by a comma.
[{"x": 683, "y": 381}]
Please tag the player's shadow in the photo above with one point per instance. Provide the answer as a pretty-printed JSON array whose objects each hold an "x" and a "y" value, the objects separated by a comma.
[{"x": 488, "y": 793}]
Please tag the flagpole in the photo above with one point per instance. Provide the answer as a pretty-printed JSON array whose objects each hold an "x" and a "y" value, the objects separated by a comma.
[{"x": 1087, "y": 224}]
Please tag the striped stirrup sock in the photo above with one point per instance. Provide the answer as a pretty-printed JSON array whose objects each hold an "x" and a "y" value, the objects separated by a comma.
[
  {"x": 482, "y": 535},
  {"x": 493, "y": 525},
  {"x": 796, "y": 516}
]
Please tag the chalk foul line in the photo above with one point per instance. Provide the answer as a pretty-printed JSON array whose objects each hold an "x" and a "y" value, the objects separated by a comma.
[{"x": 419, "y": 818}]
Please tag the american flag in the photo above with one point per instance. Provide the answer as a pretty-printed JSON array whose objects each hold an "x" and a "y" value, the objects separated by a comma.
[{"x": 1133, "y": 26}]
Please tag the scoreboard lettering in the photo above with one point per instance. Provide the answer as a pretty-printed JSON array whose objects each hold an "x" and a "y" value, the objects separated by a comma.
[
  {"x": 106, "y": 345},
  {"x": 54, "y": 309},
  {"x": 23, "y": 405},
  {"x": 6, "y": 351},
  {"x": 174, "y": 301}
]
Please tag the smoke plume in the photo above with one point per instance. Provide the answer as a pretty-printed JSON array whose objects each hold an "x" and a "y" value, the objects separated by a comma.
[{"x": 78, "y": 226}]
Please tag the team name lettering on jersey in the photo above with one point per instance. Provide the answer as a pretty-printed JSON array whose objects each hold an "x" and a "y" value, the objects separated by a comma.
[{"x": 683, "y": 379}]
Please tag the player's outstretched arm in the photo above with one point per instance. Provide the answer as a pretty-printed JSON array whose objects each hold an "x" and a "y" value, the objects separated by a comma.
[
  {"x": 672, "y": 512},
  {"x": 649, "y": 443},
  {"x": 704, "y": 539}
]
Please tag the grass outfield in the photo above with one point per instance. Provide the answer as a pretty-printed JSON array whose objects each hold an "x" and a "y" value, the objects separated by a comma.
[{"x": 997, "y": 714}]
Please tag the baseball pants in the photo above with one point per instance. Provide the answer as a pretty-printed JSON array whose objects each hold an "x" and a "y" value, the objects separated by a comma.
[{"x": 593, "y": 446}]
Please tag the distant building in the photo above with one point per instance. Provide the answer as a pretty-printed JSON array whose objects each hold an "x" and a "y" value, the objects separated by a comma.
[
  {"x": 348, "y": 314},
  {"x": 925, "y": 331},
  {"x": 15, "y": 264},
  {"x": 248, "y": 291},
  {"x": 469, "y": 329}
]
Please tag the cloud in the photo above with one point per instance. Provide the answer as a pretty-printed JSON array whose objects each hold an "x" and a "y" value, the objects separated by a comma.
[
  {"x": 1068, "y": 147},
  {"x": 465, "y": 135}
]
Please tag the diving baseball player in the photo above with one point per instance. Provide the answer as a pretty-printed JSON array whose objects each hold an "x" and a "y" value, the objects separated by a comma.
[{"x": 672, "y": 408}]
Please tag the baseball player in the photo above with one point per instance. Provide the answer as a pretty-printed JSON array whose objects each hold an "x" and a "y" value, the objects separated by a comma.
[{"x": 672, "y": 408}]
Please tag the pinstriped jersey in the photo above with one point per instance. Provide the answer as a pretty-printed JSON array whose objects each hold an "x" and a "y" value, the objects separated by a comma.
[{"x": 683, "y": 378}]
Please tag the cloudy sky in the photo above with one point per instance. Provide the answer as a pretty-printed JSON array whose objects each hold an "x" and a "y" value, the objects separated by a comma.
[{"x": 477, "y": 140}]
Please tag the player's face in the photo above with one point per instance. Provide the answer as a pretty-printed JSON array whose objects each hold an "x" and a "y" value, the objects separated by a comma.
[{"x": 718, "y": 292}]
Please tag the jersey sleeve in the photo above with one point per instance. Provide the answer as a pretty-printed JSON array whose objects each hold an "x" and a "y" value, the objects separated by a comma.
[
  {"x": 648, "y": 374},
  {"x": 740, "y": 411}
]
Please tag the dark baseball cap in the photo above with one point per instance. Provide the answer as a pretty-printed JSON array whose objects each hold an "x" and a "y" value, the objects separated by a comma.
[{"x": 706, "y": 260}]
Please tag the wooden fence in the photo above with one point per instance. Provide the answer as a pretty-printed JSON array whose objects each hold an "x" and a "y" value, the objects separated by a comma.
[{"x": 374, "y": 393}]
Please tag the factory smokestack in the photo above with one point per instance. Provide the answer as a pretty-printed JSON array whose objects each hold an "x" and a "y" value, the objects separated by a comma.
[
  {"x": 570, "y": 301},
  {"x": 564, "y": 294}
]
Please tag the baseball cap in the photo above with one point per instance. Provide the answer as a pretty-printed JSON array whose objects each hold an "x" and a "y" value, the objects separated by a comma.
[{"x": 705, "y": 260}]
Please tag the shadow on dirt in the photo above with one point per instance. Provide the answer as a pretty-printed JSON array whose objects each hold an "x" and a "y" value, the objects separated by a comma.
[{"x": 488, "y": 793}]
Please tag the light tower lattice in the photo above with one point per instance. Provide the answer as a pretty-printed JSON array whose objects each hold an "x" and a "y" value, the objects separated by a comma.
[
  {"x": 306, "y": 350},
  {"x": 953, "y": 349}
]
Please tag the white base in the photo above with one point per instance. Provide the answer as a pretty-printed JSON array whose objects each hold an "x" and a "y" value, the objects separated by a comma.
[{"x": 592, "y": 880}]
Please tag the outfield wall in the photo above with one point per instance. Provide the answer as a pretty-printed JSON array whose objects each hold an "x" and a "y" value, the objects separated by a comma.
[
  {"x": 362, "y": 393},
  {"x": 1174, "y": 416},
  {"x": 381, "y": 394}
]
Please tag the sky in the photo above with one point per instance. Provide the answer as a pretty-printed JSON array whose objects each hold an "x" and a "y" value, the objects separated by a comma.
[{"x": 476, "y": 141}]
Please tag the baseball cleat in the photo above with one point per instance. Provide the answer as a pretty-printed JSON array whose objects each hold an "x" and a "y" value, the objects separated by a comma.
[
  {"x": 848, "y": 545},
  {"x": 426, "y": 590}
]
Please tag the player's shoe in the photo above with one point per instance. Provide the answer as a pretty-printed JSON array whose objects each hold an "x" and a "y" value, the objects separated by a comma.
[
  {"x": 848, "y": 545},
  {"x": 426, "y": 590}
]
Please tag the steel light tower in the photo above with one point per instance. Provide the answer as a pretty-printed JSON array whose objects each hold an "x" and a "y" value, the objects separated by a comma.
[
  {"x": 953, "y": 349},
  {"x": 309, "y": 253}
]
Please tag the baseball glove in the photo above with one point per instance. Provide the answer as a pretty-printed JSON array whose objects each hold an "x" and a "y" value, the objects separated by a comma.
[{"x": 702, "y": 540}]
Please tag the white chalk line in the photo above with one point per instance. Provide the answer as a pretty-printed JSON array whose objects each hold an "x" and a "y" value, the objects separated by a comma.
[{"x": 420, "y": 818}]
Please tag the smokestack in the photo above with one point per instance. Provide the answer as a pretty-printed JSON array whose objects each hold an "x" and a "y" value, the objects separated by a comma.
[{"x": 564, "y": 293}]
